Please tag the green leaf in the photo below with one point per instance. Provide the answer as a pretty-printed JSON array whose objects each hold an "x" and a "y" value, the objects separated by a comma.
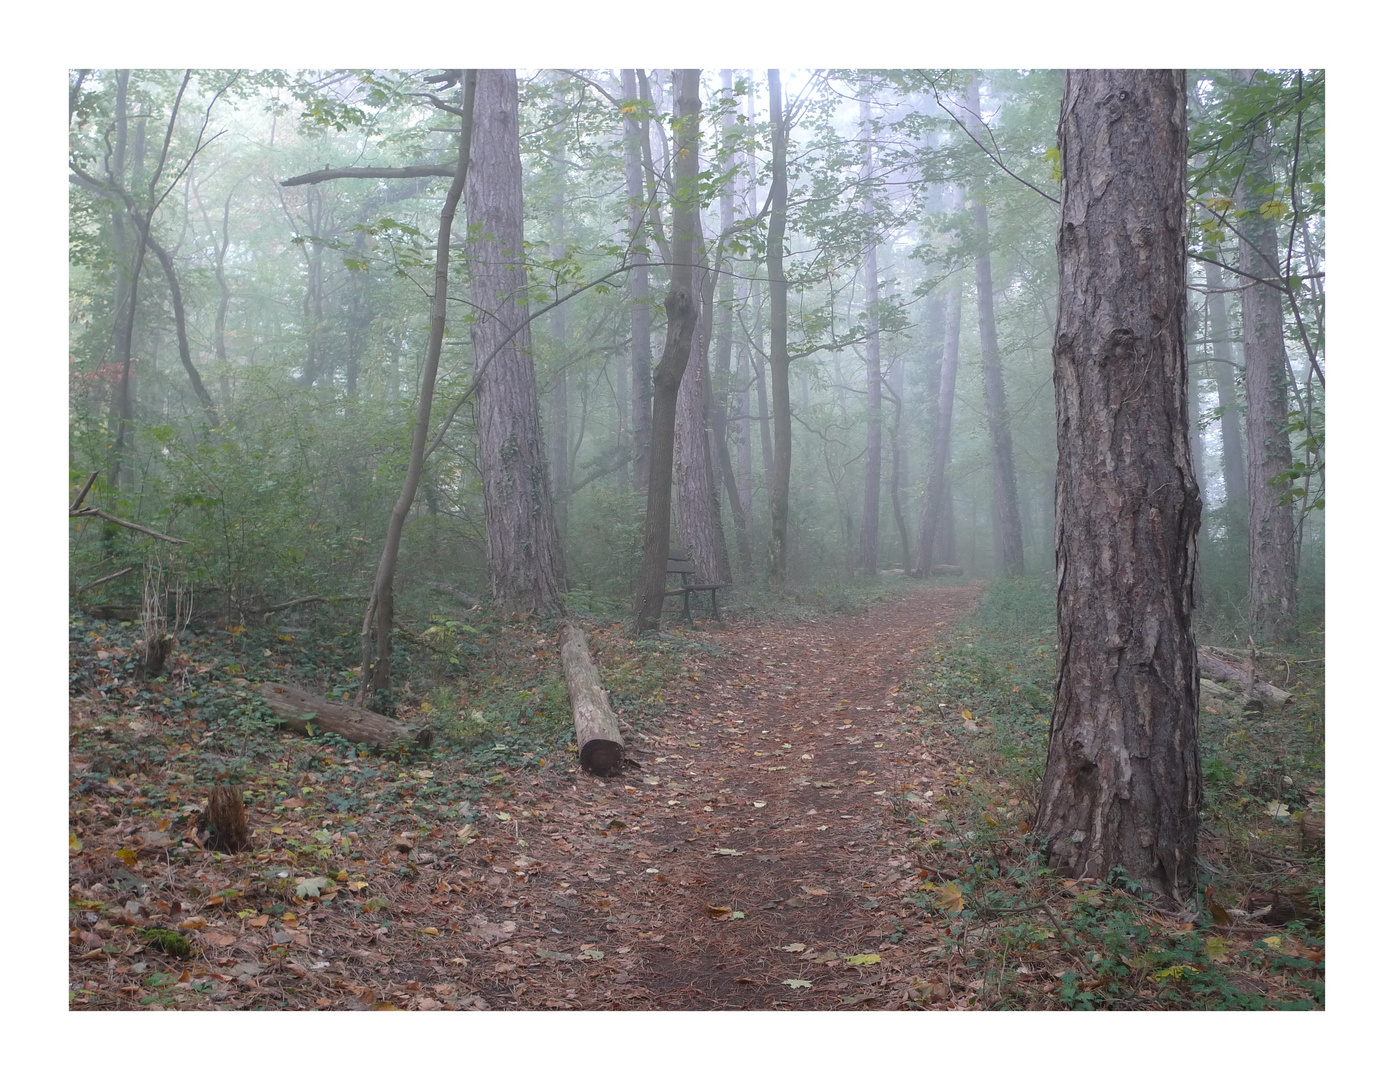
[{"x": 864, "y": 958}]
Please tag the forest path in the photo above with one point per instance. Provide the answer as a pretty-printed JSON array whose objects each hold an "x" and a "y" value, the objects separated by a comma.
[
  {"x": 751, "y": 853},
  {"x": 758, "y": 855}
]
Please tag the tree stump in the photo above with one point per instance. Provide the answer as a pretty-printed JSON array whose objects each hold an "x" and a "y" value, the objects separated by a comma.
[
  {"x": 598, "y": 738},
  {"x": 222, "y": 826}
]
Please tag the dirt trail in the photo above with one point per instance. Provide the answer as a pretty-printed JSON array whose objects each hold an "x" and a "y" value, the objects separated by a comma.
[
  {"x": 767, "y": 791},
  {"x": 749, "y": 853}
]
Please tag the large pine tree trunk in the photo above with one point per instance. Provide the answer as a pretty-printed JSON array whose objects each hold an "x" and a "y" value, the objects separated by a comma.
[
  {"x": 1122, "y": 779},
  {"x": 640, "y": 351},
  {"x": 1272, "y": 533},
  {"x": 522, "y": 548},
  {"x": 1006, "y": 507},
  {"x": 681, "y": 307}
]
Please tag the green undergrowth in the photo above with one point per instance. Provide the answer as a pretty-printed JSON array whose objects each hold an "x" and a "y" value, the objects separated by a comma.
[{"x": 1021, "y": 937}]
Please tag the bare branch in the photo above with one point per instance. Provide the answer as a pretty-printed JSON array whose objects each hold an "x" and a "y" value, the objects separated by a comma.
[{"x": 406, "y": 172}]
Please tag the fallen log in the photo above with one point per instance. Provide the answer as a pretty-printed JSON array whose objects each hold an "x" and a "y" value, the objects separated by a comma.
[
  {"x": 298, "y": 710},
  {"x": 598, "y": 738},
  {"x": 945, "y": 569},
  {"x": 1213, "y": 666}
]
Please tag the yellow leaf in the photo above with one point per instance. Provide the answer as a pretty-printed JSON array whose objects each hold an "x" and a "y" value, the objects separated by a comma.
[
  {"x": 126, "y": 855},
  {"x": 74, "y": 844},
  {"x": 966, "y": 714},
  {"x": 1216, "y": 949},
  {"x": 1274, "y": 942},
  {"x": 950, "y": 897},
  {"x": 864, "y": 958}
]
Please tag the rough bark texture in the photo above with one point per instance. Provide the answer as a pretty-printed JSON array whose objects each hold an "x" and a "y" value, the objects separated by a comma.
[
  {"x": 699, "y": 512},
  {"x": 522, "y": 548},
  {"x": 598, "y": 738},
  {"x": 298, "y": 710},
  {"x": 1006, "y": 507},
  {"x": 1272, "y": 533},
  {"x": 641, "y": 352},
  {"x": 681, "y": 306},
  {"x": 222, "y": 824},
  {"x": 1122, "y": 778}
]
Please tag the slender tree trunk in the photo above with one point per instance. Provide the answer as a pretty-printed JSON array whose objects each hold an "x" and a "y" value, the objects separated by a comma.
[
  {"x": 896, "y": 378},
  {"x": 181, "y": 333},
  {"x": 870, "y": 551},
  {"x": 1007, "y": 509},
  {"x": 721, "y": 377},
  {"x": 376, "y": 670},
  {"x": 1272, "y": 534},
  {"x": 779, "y": 337},
  {"x": 559, "y": 453},
  {"x": 220, "y": 318},
  {"x": 640, "y": 351},
  {"x": 1122, "y": 777},
  {"x": 1232, "y": 441},
  {"x": 945, "y": 540},
  {"x": 681, "y": 306},
  {"x": 939, "y": 454},
  {"x": 523, "y": 550}
]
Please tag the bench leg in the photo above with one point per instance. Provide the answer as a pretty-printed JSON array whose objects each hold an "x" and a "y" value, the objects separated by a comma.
[{"x": 687, "y": 606}]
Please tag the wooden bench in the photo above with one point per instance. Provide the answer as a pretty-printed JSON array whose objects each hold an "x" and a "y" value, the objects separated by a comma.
[{"x": 680, "y": 563}]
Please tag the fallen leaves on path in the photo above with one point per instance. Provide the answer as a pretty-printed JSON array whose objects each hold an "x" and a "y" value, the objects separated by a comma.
[{"x": 752, "y": 860}]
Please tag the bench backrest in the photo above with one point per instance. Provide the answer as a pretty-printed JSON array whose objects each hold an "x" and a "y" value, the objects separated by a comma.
[{"x": 680, "y": 562}]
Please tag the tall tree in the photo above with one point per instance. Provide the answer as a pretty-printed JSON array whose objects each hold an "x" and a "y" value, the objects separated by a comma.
[
  {"x": 721, "y": 390},
  {"x": 681, "y": 308},
  {"x": 376, "y": 640},
  {"x": 640, "y": 349},
  {"x": 935, "y": 504},
  {"x": 523, "y": 551},
  {"x": 1006, "y": 507},
  {"x": 870, "y": 547},
  {"x": 1122, "y": 776},
  {"x": 1222, "y": 370},
  {"x": 559, "y": 455},
  {"x": 1272, "y": 532},
  {"x": 699, "y": 512},
  {"x": 779, "y": 333}
]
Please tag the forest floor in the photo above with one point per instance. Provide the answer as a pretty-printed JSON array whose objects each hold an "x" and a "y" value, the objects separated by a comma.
[{"x": 803, "y": 827}]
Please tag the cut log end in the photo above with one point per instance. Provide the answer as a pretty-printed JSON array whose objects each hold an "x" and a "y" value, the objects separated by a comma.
[{"x": 603, "y": 757}]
